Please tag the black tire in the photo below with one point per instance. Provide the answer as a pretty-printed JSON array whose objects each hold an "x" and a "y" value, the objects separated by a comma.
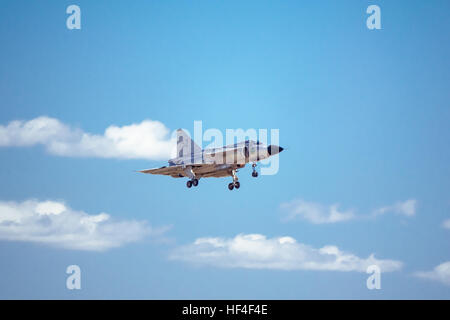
[
  {"x": 237, "y": 184},
  {"x": 189, "y": 183},
  {"x": 231, "y": 186},
  {"x": 195, "y": 182},
  {"x": 254, "y": 174}
]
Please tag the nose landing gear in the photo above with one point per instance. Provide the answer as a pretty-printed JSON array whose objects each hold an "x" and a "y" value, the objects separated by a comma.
[{"x": 254, "y": 172}]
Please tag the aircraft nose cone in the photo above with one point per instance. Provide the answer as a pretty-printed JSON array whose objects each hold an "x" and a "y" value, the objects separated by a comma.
[{"x": 272, "y": 149}]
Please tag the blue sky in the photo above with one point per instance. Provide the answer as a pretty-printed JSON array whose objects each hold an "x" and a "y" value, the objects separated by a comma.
[{"x": 363, "y": 113}]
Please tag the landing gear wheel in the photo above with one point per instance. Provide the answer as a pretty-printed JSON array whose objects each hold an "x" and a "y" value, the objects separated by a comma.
[
  {"x": 237, "y": 184},
  {"x": 189, "y": 183},
  {"x": 195, "y": 182},
  {"x": 231, "y": 186},
  {"x": 254, "y": 172}
]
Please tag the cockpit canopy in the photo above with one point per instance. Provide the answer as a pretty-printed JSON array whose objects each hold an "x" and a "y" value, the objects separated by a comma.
[{"x": 252, "y": 141}]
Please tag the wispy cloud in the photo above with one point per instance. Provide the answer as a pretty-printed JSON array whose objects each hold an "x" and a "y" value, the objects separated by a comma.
[
  {"x": 146, "y": 140},
  {"x": 406, "y": 208},
  {"x": 318, "y": 213},
  {"x": 446, "y": 224},
  {"x": 55, "y": 224},
  {"x": 440, "y": 273},
  {"x": 255, "y": 251},
  {"x": 315, "y": 212}
]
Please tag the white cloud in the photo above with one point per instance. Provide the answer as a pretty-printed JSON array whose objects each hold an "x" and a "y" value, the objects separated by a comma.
[
  {"x": 255, "y": 251},
  {"x": 406, "y": 208},
  {"x": 315, "y": 212},
  {"x": 319, "y": 214},
  {"x": 441, "y": 273},
  {"x": 55, "y": 224},
  {"x": 146, "y": 140},
  {"x": 446, "y": 224}
]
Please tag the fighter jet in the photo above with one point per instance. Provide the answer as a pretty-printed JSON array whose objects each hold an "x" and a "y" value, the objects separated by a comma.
[{"x": 194, "y": 162}]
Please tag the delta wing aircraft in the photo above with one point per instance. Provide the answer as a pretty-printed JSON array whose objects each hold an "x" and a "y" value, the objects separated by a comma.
[{"x": 194, "y": 163}]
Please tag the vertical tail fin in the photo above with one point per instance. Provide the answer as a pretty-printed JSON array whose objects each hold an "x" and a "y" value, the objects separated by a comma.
[{"x": 185, "y": 145}]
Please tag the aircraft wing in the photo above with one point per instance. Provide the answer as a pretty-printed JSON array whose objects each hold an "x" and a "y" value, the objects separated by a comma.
[
  {"x": 200, "y": 170},
  {"x": 174, "y": 171}
]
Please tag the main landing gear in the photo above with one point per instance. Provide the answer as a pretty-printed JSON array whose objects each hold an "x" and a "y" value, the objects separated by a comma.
[
  {"x": 193, "y": 182},
  {"x": 235, "y": 184},
  {"x": 254, "y": 172}
]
